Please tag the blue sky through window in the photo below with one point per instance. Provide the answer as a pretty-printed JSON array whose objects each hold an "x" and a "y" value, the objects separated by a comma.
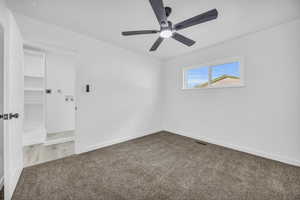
[
  {"x": 231, "y": 69},
  {"x": 198, "y": 76}
]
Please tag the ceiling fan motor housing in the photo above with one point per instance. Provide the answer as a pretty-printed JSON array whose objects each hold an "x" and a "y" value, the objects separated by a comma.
[
  {"x": 168, "y": 11},
  {"x": 168, "y": 27}
]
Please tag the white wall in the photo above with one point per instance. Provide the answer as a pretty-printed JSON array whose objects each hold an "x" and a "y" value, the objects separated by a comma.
[
  {"x": 61, "y": 75},
  {"x": 262, "y": 117},
  {"x": 126, "y": 97}
]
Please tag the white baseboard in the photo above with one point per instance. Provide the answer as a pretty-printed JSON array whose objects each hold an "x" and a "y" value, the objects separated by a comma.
[
  {"x": 59, "y": 132},
  {"x": 116, "y": 141},
  {"x": 205, "y": 139},
  {"x": 282, "y": 159}
]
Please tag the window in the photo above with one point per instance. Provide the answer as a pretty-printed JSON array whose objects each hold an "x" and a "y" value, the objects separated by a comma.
[{"x": 226, "y": 73}]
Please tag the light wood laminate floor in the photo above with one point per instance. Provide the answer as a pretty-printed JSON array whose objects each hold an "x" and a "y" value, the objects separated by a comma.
[{"x": 37, "y": 154}]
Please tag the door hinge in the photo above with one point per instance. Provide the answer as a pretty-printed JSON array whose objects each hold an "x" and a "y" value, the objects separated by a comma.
[
  {"x": 9, "y": 116},
  {"x": 4, "y": 116}
]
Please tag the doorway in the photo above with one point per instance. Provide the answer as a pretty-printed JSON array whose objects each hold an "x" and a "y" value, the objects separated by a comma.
[{"x": 49, "y": 104}]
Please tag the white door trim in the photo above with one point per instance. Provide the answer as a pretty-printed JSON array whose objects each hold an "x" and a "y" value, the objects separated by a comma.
[
  {"x": 5, "y": 108},
  {"x": 2, "y": 31},
  {"x": 11, "y": 173}
]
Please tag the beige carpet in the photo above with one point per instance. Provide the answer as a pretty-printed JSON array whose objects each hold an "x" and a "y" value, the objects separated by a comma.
[{"x": 161, "y": 166}]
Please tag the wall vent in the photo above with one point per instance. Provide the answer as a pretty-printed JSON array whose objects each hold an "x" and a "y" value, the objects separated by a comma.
[{"x": 201, "y": 142}]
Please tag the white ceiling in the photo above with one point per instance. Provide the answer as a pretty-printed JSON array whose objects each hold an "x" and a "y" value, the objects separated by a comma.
[{"x": 105, "y": 19}]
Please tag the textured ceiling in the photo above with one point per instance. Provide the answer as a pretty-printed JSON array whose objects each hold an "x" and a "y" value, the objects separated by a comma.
[{"x": 105, "y": 19}]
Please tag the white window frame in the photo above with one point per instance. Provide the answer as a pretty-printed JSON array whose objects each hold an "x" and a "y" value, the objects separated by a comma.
[{"x": 210, "y": 65}]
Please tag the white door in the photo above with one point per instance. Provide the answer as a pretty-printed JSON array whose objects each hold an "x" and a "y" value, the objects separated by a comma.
[
  {"x": 1, "y": 107},
  {"x": 13, "y": 104}
]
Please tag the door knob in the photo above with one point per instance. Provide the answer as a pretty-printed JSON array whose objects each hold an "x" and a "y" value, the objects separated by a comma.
[{"x": 11, "y": 115}]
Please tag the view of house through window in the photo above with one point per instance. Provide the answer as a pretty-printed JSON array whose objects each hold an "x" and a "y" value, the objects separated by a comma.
[{"x": 221, "y": 75}]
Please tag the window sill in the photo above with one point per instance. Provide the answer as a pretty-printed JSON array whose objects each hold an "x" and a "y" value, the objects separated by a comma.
[{"x": 216, "y": 87}]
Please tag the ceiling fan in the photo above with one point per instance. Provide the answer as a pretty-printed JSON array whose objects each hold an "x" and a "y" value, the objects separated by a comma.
[{"x": 167, "y": 29}]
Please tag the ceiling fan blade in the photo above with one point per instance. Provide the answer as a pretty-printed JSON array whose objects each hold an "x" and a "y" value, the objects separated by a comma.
[
  {"x": 156, "y": 44},
  {"x": 204, "y": 17},
  {"x": 128, "y": 33},
  {"x": 183, "y": 39},
  {"x": 160, "y": 12}
]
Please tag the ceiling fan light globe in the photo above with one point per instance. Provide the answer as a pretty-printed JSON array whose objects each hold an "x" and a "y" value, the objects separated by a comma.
[{"x": 166, "y": 33}]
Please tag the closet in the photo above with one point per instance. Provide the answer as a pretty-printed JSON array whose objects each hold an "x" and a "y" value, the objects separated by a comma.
[
  {"x": 49, "y": 96},
  {"x": 34, "y": 97}
]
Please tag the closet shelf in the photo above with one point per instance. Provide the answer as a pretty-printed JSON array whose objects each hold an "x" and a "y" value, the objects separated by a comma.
[
  {"x": 34, "y": 76},
  {"x": 34, "y": 136},
  {"x": 34, "y": 89},
  {"x": 34, "y": 103},
  {"x": 34, "y": 96}
]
